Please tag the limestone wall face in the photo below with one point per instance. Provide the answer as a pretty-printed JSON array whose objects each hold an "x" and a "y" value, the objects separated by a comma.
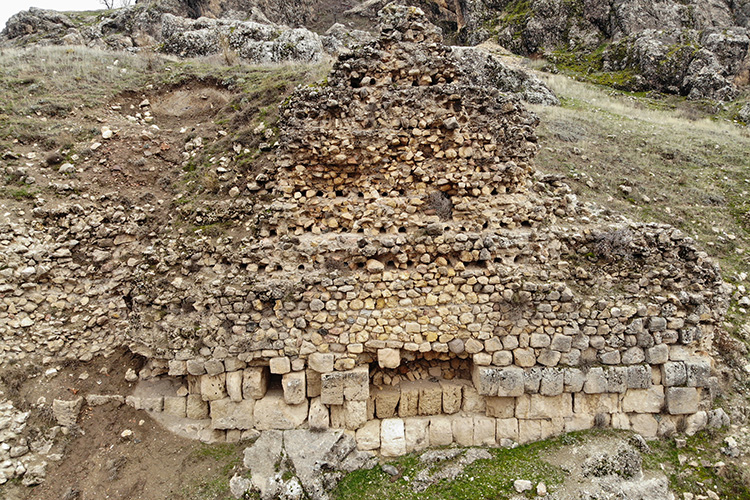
[{"x": 403, "y": 274}]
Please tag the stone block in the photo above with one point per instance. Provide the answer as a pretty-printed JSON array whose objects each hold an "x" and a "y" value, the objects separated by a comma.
[
  {"x": 620, "y": 421},
  {"x": 524, "y": 357},
  {"x": 368, "y": 436},
  {"x": 214, "y": 367},
  {"x": 596, "y": 381},
  {"x": 573, "y": 380},
  {"x": 633, "y": 355},
  {"x": 409, "y": 403},
  {"x": 66, "y": 411},
  {"x": 195, "y": 367},
  {"x": 682, "y": 400},
  {"x": 332, "y": 388},
  {"x": 386, "y": 400},
  {"x": 175, "y": 406},
  {"x": 552, "y": 427},
  {"x": 472, "y": 401},
  {"x": 529, "y": 431},
  {"x": 696, "y": 422},
  {"x": 389, "y": 358},
  {"x": 610, "y": 357},
  {"x": 500, "y": 407},
  {"x": 503, "y": 382},
  {"x": 392, "y": 437},
  {"x": 657, "y": 355},
  {"x": 617, "y": 379},
  {"x": 153, "y": 404},
  {"x": 355, "y": 414},
  {"x": 417, "y": 433},
  {"x": 321, "y": 362},
  {"x": 644, "y": 424},
  {"x": 561, "y": 343},
  {"x": 592, "y": 404},
  {"x": 452, "y": 396},
  {"x": 357, "y": 384},
  {"x": 312, "y": 378},
  {"x": 441, "y": 431},
  {"x": 272, "y": 412},
  {"x": 506, "y": 428},
  {"x": 698, "y": 372},
  {"x": 195, "y": 407},
  {"x": 338, "y": 417},
  {"x": 532, "y": 380},
  {"x": 293, "y": 384},
  {"x": 502, "y": 358},
  {"x": 536, "y": 406},
  {"x": 280, "y": 365},
  {"x": 430, "y": 398},
  {"x": 234, "y": 385},
  {"x": 226, "y": 414},
  {"x": 254, "y": 382},
  {"x": 318, "y": 417},
  {"x": 484, "y": 431},
  {"x": 552, "y": 382},
  {"x": 649, "y": 400},
  {"x": 639, "y": 377},
  {"x": 213, "y": 387},
  {"x": 579, "y": 422},
  {"x": 463, "y": 430},
  {"x": 177, "y": 368},
  {"x": 548, "y": 357},
  {"x": 673, "y": 374}
]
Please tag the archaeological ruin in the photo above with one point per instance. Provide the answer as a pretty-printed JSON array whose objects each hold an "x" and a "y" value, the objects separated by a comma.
[{"x": 403, "y": 273}]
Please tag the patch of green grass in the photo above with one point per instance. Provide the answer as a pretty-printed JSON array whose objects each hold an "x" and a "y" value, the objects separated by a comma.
[
  {"x": 484, "y": 479},
  {"x": 220, "y": 460}
]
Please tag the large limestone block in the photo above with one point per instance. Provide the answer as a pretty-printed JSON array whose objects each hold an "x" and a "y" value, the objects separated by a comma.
[
  {"x": 409, "y": 403},
  {"x": 529, "y": 430},
  {"x": 463, "y": 430},
  {"x": 430, "y": 398},
  {"x": 234, "y": 385},
  {"x": 357, "y": 384},
  {"x": 617, "y": 379},
  {"x": 417, "y": 433},
  {"x": 368, "y": 436},
  {"x": 644, "y": 424},
  {"x": 280, "y": 365},
  {"x": 389, "y": 358},
  {"x": 682, "y": 400},
  {"x": 226, "y": 414},
  {"x": 673, "y": 373},
  {"x": 506, "y": 428},
  {"x": 472, "y": 401},
  {"x": 332, "y": 388},
  {"x": 272, "y": 412},
  {"x": 195, "y": 407},
  {"x": 338, "y": 417},
  {"x": 254, "y": 382},
  {"x": 312, "y": 378},
  {"x": 386, "y": 400},
  {"x": 503, "y": 382},
  {"x": 698, "y": 371},
  {"x": 593, "y": 404},
  {"x": 392, "y": 437},
  {"x": 321, "y": 362},
  {"x": 596, "y": 381},
  {"x": 552, "y": 427},
  {"x": 696, "y": 422},
  {"x": 552, "y": 382},
  {"x": 536, "y": 406},
  {"x": 294, "y": 387},
  {"x": 639, "y": 377},
  {"x": 484, "y": 431},
  {"x": 441, "y": 431},
  {"x": 579, "y": 422},
  {"x": 213, "y": 387},
  {"x": 452, "y": 396},
  {"x": 175, "y": 406},
  {"x": 644, "y": 400},
  {"x": 500, "y": 407},
  {"x": 318, "y": 418},
  {"x": 355, "y": 414}
]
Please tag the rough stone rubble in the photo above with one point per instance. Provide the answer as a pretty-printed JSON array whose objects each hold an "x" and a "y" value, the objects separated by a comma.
[{"x": 402, "y": 274}]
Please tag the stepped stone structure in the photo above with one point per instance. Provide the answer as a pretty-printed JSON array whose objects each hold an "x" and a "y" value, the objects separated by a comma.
[{"x": 408, "y": 277}]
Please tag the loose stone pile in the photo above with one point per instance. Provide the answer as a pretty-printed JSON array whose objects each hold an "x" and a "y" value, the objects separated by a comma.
[{"x": 402, "y": 274}]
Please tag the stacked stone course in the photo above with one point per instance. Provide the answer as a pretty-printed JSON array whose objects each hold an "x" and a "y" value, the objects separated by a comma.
[{"x": 410, "y": 279}]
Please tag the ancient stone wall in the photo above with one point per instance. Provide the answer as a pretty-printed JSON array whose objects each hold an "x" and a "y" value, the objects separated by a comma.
[{"x": 403, "y": 274}]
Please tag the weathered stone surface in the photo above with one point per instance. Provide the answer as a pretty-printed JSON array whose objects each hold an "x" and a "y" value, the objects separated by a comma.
[
  {"x": 503, "y": 382},
  {"x": 272, "y": 412},
  {"x": 368, "y": 436},
  {"x": 430, "y": 398},
  {"x": 682, "y": 400},
  {"x": 195, "y": 407},
  {"x": 649, "y": 400},
  {"x": 441, "y": 431},
  {"x": 254, "y": 382},
  {"x": 226, "y": 414},
  {"x": 392, "y": 437},
  {"x": 321, "y": 362},
  {"x": 386, "y": 401},
  {"x": 452, "y": 396},
  {"x": 501, "y": 407},
  {"x": 416, "y": 431},
  {"x": 389, "y": 358},
  {"x": 175, "y": 406},
  {"x": 293, "y": 385},
  {"x": 66, "y": 411},
  {"x": 234, "y": 385},
  {"x": 213, "y": 387},
  {"x": 536, "y": 406}
]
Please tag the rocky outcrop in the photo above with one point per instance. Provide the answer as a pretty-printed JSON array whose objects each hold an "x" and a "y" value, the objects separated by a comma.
[{"x": 697, "y": 48}]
